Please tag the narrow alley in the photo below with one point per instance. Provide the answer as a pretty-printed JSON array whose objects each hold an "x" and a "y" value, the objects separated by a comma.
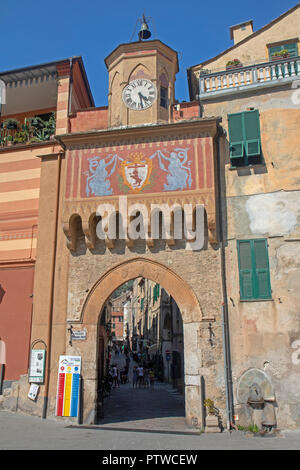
[{"x": 160, "y": 408}]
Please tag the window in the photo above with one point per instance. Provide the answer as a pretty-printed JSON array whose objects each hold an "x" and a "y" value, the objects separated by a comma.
[
  {"x": 254, "y": 269},
  {"x": 244, "y": 138},
  {"x": 284, "y": 51},
  {"x": 142, "y": 304},
  {"x": 164, "y": 97},
  {"x": 291, "y": 47}
]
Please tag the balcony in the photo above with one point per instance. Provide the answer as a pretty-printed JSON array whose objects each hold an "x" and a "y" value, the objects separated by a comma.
[
  {"x": 247, "y": 78},
  {"x": 32, "y": 130}
]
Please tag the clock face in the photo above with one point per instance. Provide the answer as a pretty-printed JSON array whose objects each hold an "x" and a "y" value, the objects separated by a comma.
[{"x": 139, "y": 94}]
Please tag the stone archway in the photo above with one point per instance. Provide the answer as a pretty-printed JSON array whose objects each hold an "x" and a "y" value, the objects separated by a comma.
[
  {"x": 191, "y": 316},
  {"x": 142, "y": 267}
]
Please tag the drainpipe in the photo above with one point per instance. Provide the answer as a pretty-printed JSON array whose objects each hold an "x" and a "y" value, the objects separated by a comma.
[
  {"x": 225, "y": 316},
  {"x": 50, "y": 311}
]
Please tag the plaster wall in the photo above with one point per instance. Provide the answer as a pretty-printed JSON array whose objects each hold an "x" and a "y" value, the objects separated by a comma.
[{"x": 254, "y": 48}]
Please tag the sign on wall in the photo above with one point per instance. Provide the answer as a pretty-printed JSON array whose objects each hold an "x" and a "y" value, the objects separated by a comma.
[
  {"x": 37, "y": 366},
  {"x": 67, "y": 397},
  {"x": 34, "y": 389}
]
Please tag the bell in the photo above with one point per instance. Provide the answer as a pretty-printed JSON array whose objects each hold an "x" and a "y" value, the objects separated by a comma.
[{"x": 144, "y": 32}]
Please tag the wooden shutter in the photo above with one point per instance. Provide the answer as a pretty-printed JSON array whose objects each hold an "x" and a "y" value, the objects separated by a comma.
[
  {"x": 246, "y": 271},
  {"x": 236, "y": 135},
  {"x": 252, "y": 133},
  {"x": 254, "y": 269},
  {"x": 292, "y": 48},
  {"x": 262, "y": 271}
]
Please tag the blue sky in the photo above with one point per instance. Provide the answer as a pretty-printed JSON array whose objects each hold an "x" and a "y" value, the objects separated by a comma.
[{"x": 34, "y": 32}]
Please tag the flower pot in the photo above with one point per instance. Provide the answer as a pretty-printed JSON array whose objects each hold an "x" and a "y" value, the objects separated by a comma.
[
  {"x": 230, "y": 67},
  {"x": 280, "y": 57}
]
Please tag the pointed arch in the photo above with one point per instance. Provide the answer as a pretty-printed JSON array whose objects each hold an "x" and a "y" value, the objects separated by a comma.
[{"x": 139, "y": 71}]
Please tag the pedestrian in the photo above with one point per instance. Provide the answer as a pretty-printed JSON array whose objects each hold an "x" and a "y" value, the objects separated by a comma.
[
  {"x": 134, "y": 377},
  {"x": 152, "y": 378},
  {"x": 127, "y": 361},
  {"x": 146, "y": 379},
  {"x": 140, "y": 378},
  {"x": 115, "y": 374}
]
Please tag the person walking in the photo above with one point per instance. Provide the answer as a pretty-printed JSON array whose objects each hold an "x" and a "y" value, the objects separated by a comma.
[
  {"x": 134, "y": 377},
  {"x": 115, "y": 374},
  {"x": 152, "y": 378},
  {"x": 140, "y": 374},
  {"x": 146, "y": 379}
]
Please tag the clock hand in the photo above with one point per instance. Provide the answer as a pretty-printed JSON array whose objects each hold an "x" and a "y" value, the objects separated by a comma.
[
  {"x": 141, "y": 98},
  {"x": 144, "y": 97}
]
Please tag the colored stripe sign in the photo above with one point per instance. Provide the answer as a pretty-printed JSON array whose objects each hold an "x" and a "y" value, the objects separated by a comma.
[{"x": 67, "y": 398}]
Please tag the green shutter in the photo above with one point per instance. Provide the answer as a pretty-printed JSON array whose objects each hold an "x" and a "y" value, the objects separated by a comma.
[
  {"x": 244, "y": 137},
  {"x": 246, "y": 274},
  {"x": 254, "y": 269},
  {"x": 292, "y": 48},
  {"x": 263, "y": 287},
  {"x": 236, "y": 135},
  {"x": 252, "y": 133}
]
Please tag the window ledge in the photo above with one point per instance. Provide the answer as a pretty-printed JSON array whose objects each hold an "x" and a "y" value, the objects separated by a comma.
[
  {"x": 257, "y": 300},
  {"x": 258, "y": 165}
]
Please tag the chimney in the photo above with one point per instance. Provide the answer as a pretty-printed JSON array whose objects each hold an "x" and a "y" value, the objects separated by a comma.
[{"x": 241, "y": 31}]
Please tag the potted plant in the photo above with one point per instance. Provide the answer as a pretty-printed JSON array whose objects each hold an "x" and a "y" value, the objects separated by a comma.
[
  {"x": 11, "y": 124},
  {"x": 232, "y": 64},
  {"x": 284, "y": 54},
  {"x": 204, "y": 72}
]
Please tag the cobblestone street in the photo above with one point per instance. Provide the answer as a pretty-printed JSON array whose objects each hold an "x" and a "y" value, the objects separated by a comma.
[{"x": 157, "y": 409}]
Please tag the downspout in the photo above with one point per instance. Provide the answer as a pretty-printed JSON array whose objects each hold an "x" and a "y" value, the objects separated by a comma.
[{"x": 225, "y": 316}]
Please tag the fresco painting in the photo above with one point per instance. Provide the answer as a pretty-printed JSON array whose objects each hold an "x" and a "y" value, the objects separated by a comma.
[{"x": 134, "y": 169}]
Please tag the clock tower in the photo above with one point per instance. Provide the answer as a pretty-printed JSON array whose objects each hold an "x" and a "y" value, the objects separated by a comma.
[{"x": 141, "y": 83}]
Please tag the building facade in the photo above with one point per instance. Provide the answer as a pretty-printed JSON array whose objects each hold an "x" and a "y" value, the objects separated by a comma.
[
  {"x": 231, "y": 151},
  {"x": 35, "y": 108},
  {"x": 259, "y": 161}
]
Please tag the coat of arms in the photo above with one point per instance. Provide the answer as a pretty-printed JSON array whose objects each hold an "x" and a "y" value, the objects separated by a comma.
[{"x": 136, "y": 171}]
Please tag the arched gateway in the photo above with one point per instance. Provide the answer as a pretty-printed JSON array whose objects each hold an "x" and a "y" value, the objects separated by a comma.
[
  {"x": 155, "y": 158},
  {"x": 191, "y": 316}
]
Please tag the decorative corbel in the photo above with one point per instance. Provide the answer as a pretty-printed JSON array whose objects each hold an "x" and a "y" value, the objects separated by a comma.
[
  {"x": 70, "y": 230},
  {"x": 212, "y": 230},
  {"x": 89, "y": 230}
]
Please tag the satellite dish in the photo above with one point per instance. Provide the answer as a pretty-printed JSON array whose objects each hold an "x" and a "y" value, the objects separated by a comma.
[{"x": 254, "y": 376}]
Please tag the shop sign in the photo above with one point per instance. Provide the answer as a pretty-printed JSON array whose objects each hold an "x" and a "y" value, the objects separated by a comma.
[{"x": 37, "y": 366}]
